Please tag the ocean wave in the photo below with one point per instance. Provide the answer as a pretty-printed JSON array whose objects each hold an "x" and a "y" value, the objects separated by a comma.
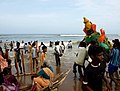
[{"x": 72, "y": 35}]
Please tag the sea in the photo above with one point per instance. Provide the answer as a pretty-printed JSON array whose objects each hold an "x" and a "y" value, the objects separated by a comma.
[
  {"x": 69, "y": 55},
  {"x": 48, "y": 37}
]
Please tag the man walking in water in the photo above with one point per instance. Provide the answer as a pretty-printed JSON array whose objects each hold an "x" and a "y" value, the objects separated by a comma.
[{"x": 58, "y": 53}]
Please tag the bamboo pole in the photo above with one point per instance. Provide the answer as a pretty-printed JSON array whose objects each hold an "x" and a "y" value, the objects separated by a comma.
[
  {"x": 30, "y": 58},
  {"x": 16, "y": 63},
  {"x": 23, "y": 65},
  {"x": 37, "y": 68}
]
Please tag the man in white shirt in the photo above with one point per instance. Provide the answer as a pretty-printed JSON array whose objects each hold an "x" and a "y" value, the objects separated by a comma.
[
  {"x": 34, "y": 56},
  {"x": 81, "y": 56},
  {"x": 57, "y": 53}
]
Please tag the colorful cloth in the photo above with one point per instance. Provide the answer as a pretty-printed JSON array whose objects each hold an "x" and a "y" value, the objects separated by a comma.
[
  {"x": 44, "y": 74},
  {"x": 43, "y": 80},
  {"x": 10, "y": 83},
  {"x": 3, "y": 63}
]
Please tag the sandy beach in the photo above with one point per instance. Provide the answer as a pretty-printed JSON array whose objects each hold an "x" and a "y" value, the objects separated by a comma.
[
  {"x": 67, "y": 61},
  {"x": 27, "y": 25}
]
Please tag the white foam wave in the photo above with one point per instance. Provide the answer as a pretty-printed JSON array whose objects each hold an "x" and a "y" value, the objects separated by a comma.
[{"x": 72, "y": 35}]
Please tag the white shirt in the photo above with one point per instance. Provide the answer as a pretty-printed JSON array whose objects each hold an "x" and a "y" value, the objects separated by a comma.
[
  {"x": 33, "y": 52},
  {"x": 82, "y": 54},
  {"x": 57, "y": 48}
]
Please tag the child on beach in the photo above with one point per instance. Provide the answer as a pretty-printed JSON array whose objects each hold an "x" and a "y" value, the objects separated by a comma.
[
  {"x": 43, "y": 55},
  {"x": 95, "y": 71},
  {"x": 80, "y": 59}
]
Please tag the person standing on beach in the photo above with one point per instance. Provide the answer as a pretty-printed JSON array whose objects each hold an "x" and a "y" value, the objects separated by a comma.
[
  {"x": 51, "y": 44},
  {"x": 43, "y": 55},
  {"x": 29, "y": 47},
  {"x": 62, "y": 46},
  {"x": 81, "y": 56},
  {"x": 95, "y": 71},
  {"x": 69, "y": 45},
  {"x": 57, "y": 53},
  {"x": 40, "y": 47},
  {"x": 18, "y": 58},
  {"x": 114, "y": 63},
  {"x": 11, "y": 45},
  {"x": 34, "y": 51},
  {"x": 37, "y": 49},
  {"x": 26, "y": 48}
]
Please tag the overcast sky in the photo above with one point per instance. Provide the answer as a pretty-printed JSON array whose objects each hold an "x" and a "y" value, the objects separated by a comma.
[{"x": 58, "y": 16}]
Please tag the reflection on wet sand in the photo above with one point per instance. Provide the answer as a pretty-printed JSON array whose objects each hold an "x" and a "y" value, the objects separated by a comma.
[
  {"x": 69, "y": 84},
  {"x": 58, "y": 70},
  {"x": 76, "y": 85}
]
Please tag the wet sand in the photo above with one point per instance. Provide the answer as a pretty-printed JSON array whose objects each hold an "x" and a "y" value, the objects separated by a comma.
[
  {"x": 74, "y": 84},
  {"x": 69, "y": 84},
  {"x": 67, "y": 60}
]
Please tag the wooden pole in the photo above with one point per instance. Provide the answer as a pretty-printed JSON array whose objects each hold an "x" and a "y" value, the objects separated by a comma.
[
  {"x": 37, "y": 68},
  {"x": 23, "y": 62},
  {"x": 16, "y": 64},
  {"x": 31, "y": 63}
]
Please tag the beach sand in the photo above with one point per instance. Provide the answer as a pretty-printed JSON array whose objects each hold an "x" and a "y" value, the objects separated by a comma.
[{"x": 67, "y": 61}]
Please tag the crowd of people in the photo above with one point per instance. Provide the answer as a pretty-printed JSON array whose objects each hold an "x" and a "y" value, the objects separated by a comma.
[
  {"x": 95, "y": 71},
  {"x": 36, "y": 53},
  {"x": 8, "y": 82},
  {"x": 90, "y": 75}
]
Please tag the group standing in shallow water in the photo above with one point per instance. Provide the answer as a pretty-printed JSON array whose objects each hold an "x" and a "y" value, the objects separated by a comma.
[
  {"x": 99, "y": 51},
  {"x": 33, "y": 52},
  {"x": 98, "y": 67}
]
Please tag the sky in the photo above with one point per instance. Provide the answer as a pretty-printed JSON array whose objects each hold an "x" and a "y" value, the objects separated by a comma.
[{"x": 58, "y": 16}]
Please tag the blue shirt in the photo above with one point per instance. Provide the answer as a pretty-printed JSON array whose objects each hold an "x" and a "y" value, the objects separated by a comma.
[
  {"x": 43, "y": 74},
  {"x": 115, "y": 57}
]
